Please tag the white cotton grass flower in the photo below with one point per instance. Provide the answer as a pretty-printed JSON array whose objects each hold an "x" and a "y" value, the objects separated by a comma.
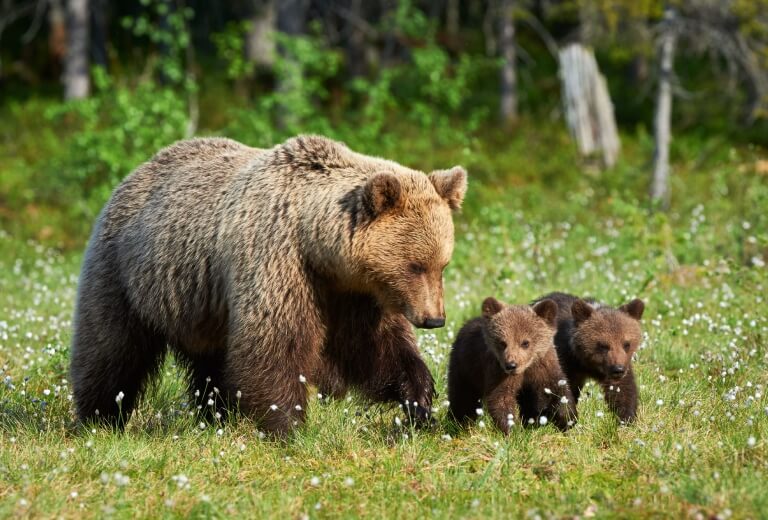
[
  {"x": 479, "y": 412},
  {"x": 751, "y": 441},
  {"x": 547, "y": 391},
  {"x": 273, "y": 407},
  {"x": 119, "y": 397},
  {"x": 543, "y": 420},
  {"x": 314, "y": 481},
  {"x": 302, "y": 379}
]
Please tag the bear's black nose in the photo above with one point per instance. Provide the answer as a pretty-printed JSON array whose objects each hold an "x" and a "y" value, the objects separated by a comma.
[
  {"x": 510, "y": 366},
  {"x": 433, "y": 323},
  {"x": 617, "y": 370}
]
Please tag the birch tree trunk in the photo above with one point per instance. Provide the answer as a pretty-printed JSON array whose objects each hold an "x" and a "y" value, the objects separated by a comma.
[
  {"x": 660, "y": 184},
  {"x": 508, "y": 108},
  {"x": 76, "y": 79}
]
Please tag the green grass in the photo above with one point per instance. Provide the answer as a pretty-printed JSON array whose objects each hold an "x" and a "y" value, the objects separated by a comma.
[{"x": 532, "y": 223}]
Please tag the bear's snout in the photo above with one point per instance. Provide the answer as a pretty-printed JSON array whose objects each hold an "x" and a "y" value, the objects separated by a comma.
[{"x": 433, "y": 323}]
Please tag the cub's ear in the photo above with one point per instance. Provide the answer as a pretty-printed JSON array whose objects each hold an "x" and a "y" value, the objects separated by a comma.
[
  {"x": 547, "y": 311},
  {"x": 581, "y": 311},
  {"x": 382, "y": 193},
  {"x": 491, "y": 306},
  {"x": 634, "y": 308},
  {"x": 451, "y": 185}
]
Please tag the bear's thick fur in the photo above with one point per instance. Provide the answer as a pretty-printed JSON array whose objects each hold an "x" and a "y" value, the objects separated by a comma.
[
  {"x": 595, "y": 341},
  {"x": 491, "y": 360},
  {"x": 256, "y": 266}
]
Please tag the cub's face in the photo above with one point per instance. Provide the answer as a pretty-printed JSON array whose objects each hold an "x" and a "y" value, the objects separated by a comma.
[
  {"x": 606, "y": 339},
  {"x": 409, "y": 241},
  {"x": 518, "y": 335}
]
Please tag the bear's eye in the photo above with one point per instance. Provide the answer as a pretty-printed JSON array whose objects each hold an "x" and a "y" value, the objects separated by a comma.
[
  {"x": 417, "y": 268},
  {"x": 502, "y": 345},
  {"x": 626, "y": 345},
  {"x": 525, "y": 343},
  {"x": 603, "y": 347}
]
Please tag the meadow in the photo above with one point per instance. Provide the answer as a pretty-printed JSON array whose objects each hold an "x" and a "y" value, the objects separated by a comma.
[{"x": 534, "y": 221}]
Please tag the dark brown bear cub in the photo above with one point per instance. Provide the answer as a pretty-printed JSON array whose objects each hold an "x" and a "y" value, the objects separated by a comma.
[
  {"x": 597, "y": 342},
  {"x": 491, "y": 356}
]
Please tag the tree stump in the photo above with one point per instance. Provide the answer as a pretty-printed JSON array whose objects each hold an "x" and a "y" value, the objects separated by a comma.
[{"x": 588, "y": 107}]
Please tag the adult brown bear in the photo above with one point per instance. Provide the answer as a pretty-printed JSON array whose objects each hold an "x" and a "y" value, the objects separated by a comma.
[{"x": 257, "y": 267}]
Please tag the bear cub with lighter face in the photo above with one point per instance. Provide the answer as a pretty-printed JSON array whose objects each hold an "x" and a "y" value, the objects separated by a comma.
[
  {"x": 492, "y": 354},
  {"x": 597, "y": 342}
]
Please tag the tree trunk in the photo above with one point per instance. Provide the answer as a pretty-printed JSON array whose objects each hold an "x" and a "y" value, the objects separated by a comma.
[
  {"x": 663, "y": 135},
  {"x": 76, "y": 79},
  {"x": 260, "y": 40},
  {"x": 508, "y": 109}
]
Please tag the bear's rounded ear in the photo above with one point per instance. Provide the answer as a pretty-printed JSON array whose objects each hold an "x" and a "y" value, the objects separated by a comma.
[
  {"x": 382, "y": 193},
  {"x": 581, "y": 311},
  {"x": 491, "y": 306},
  {"x": 451, "y": 185},
  {"x": 547, "y": 311},
  {"x": 634, "y": 308}
]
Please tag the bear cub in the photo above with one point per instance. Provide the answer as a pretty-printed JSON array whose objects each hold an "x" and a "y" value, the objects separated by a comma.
[
  {"x": 493, "y": 353},
  {"x": 595, "y": 341}
]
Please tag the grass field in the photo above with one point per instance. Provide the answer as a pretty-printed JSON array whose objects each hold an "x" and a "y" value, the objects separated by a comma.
[{"x": 699, "y": 448}]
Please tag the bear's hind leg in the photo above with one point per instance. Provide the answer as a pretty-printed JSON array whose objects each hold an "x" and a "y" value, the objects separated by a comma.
[
  {"x": 113, "y": 355},
  {"x": 207, "y": 383}
]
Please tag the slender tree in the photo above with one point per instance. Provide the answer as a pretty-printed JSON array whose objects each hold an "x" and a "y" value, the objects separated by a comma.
[
  {"x": 508, "y": 108},
  {"x": 76, "y": 63},
  {"x": 663, "y": 134}
]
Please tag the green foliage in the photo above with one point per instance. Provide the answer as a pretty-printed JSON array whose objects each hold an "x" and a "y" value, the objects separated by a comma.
[
  {"x": 113, "y": 137},
  {"x": 230, "y": 45}
]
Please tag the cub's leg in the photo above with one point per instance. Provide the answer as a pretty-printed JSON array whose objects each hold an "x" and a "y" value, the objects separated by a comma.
[
  {"x": 501, "y": 402},
  {"x": 622, "y": 397},
  {"x": 535, "y": 401},
  {"x": 463, "y": 396}
]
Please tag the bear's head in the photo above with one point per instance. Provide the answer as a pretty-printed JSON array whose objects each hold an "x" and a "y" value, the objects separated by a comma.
[
  {"x": 518, "y": 335},
  {"x": 605, "y": 338},
  {"x": 407, "y": 239}
]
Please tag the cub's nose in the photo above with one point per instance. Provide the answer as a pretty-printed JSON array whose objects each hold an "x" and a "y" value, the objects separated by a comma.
[
  {"x": 433, "y": 323},
  {"x": 617, "y": 370},
  {"x": 511, "y": 366}
]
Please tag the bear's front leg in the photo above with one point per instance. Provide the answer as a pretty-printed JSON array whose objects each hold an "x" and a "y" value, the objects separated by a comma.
[
  {"x": 269, "y": 362},
  {"x": 386, "y": 365},
  {"x": 621, "y": 397},
  {"x": 561, "y": 403},
  {"x": 416, "y": 385},
  {"x": 501, "y": 402}
]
